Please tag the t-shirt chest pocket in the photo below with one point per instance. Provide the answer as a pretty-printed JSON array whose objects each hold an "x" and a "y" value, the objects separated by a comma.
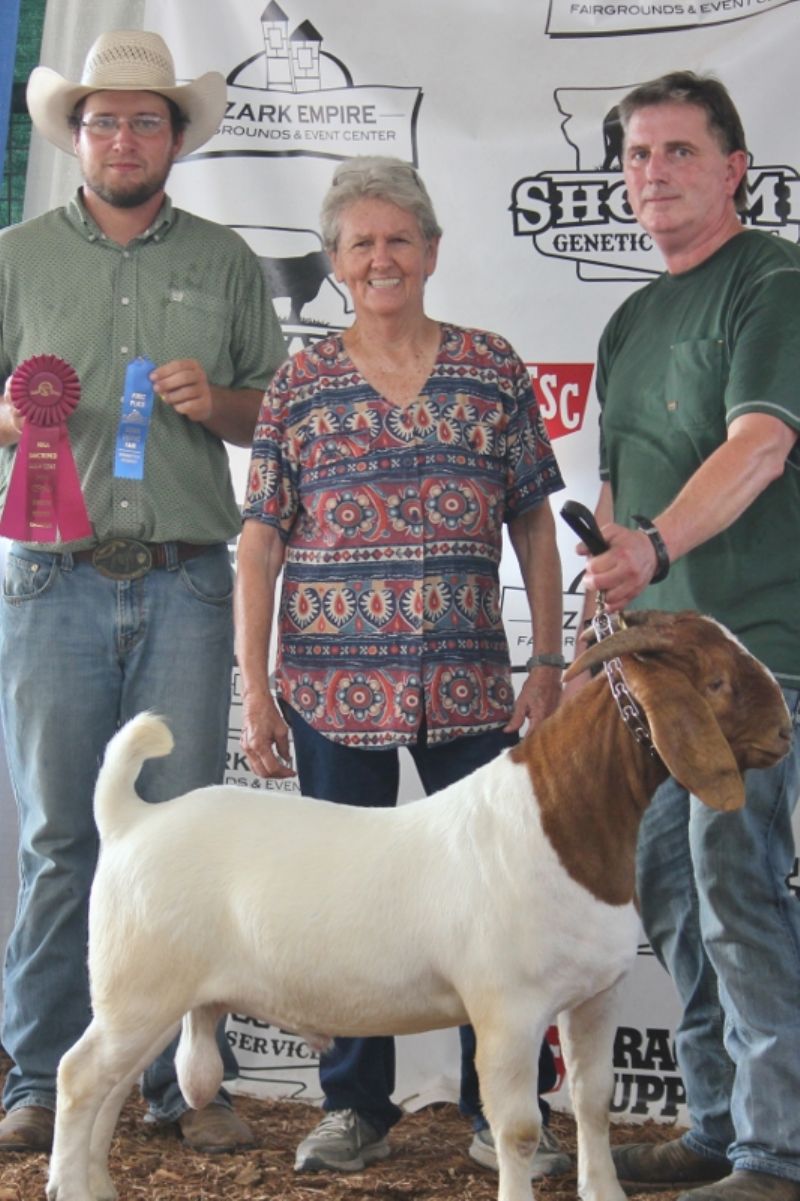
[{"x": 694, "y": 385}]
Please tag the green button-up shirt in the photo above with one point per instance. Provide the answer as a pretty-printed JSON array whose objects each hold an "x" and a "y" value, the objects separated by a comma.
[{"x": 187, "y": 288}]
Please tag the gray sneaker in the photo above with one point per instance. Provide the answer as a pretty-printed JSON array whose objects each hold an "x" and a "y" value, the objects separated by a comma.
[
  {"x": 342, "y": 1142},
  {"x": 549, "y": 1159}
]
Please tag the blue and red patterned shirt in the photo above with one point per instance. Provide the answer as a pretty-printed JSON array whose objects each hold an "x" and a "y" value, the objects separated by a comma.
[{"x": 393, "y": 517}]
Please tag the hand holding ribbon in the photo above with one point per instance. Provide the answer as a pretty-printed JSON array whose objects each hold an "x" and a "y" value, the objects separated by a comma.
[
  {"x": 44, "y": 501},
  {"x": 11, "y": 422},
  {"x": 134, "y": 423},
  {"x": 183, "y": 384}
]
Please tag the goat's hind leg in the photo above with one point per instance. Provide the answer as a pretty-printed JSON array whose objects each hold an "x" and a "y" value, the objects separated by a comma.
[
  {"x": 507, "y": 1059},
  {"x": 106, "y": 1120},
  {"x": 80, "y": 1094},
  {"x": 94, "y": 1079},
  {"x": 587, "y": 1043}
]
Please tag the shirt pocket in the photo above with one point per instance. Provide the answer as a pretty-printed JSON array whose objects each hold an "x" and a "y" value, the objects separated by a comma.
[
  {"x": 197, "y": 325},
  {"x": 694, "y": 388}
]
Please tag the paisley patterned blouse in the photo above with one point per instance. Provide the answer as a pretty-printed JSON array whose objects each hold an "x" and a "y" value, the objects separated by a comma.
[{"x": 392, "y": 518}]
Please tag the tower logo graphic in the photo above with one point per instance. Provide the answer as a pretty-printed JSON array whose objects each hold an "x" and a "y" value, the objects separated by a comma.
[{"x": 292, "y": 97}]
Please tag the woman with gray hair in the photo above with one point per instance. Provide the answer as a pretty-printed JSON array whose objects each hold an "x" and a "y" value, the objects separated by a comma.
[
  {"x": 386, "y": 461},
  {"x": 381, "y": 177}
]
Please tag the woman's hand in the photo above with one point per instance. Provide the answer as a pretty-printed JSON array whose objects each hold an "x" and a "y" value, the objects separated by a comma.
[
  {"x": 540, "y": 696},
  {"x": 265, "y": 737}
]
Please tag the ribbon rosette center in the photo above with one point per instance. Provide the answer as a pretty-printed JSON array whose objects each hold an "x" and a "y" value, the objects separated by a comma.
[{"x": 45, "y": 390}]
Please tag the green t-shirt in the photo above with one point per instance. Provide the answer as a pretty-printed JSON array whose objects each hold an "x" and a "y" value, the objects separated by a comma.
[
  {"x": 187, "y": 288},
  {"x": 678, "y": 361}
]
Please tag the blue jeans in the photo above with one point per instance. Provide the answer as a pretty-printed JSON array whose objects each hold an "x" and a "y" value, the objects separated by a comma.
[
  {"x": 719, "y": 914},
  {"x": 359, "y": 1073},
  {"x": 79, "y": 655}
]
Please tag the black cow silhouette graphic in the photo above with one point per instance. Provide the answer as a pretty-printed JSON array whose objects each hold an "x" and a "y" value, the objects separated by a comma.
[{"x": 299, "y": 277}]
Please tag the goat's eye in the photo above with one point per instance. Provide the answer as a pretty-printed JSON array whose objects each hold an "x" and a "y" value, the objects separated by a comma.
[{"x": 716, "y": 685}]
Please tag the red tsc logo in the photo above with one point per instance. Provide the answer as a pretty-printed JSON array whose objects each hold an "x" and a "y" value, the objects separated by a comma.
[{"x": 562, "y": 390}]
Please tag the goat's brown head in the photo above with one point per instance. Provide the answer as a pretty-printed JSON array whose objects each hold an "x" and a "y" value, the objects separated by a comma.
[{"x": 714, "y": 710}]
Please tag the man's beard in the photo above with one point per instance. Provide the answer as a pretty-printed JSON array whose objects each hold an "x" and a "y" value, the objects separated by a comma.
[{"x": 128, "y": 198}]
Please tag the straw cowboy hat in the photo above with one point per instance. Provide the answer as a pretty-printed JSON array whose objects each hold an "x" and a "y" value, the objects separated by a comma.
[{"x": 126, "y": 60}]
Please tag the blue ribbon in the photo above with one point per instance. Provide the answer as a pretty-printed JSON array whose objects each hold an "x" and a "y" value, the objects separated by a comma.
[{"x": 134, "y": 422}]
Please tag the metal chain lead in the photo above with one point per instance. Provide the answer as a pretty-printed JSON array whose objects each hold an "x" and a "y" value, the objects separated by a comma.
[{"x": 629, "y": 709}]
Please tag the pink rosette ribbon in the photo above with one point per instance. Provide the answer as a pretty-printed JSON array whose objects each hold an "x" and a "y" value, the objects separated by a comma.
[{"x": 44, "y": 501}]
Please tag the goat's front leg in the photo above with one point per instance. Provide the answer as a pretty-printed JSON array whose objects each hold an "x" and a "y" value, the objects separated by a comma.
[
  {"x": 507, "y": 1059},
  {"x": 587, "y": 1043}
]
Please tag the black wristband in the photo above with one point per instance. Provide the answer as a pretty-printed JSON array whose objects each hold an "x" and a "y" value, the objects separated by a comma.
[{"x": 657, "y": 542}]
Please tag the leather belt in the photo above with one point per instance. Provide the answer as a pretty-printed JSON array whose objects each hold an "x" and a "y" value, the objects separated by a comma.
[{"x": 127, "y": 559}]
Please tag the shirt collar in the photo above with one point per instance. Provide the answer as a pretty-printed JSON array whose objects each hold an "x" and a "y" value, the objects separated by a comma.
[{"x": 78, "y": 215}]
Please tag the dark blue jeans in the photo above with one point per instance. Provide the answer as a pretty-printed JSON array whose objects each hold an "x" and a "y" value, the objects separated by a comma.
[{"x": 359, "y": 1073}]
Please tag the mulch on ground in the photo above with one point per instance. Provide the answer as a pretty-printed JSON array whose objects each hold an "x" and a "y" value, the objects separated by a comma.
[{"x": 429, "y": 1161}]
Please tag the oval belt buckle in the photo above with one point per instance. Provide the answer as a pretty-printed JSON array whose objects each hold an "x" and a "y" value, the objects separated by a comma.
[{"x": 122, "y": 559}]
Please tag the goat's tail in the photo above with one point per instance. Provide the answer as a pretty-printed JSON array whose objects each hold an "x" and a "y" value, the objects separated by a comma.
[{"x": 145, "y": 736}]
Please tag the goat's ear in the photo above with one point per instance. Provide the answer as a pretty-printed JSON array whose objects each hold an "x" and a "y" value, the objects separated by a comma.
[{"x": 686, "y": 734}]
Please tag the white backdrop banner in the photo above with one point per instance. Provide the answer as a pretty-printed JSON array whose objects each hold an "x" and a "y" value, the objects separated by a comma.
[{"x": 507, "y": 111}]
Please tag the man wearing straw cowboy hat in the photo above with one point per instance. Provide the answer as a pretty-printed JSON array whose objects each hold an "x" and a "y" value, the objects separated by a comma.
[{"x": 124, "y": 602}]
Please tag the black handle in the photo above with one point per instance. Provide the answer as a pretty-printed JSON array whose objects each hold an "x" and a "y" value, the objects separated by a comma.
[{"x": 582, "y": 521}]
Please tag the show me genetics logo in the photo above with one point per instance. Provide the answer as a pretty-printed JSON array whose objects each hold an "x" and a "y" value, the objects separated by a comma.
[{"x": 582, "y": 215}]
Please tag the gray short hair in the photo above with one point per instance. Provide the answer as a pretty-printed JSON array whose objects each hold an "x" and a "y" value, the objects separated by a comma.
[{"x": 383, "y": 178}]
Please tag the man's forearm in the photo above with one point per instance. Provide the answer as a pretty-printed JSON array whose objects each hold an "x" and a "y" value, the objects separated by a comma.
[{"x": 234, "y": 415}]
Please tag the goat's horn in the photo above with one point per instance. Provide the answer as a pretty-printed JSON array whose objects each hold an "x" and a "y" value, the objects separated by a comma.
[{"x": 624, "y": 642}]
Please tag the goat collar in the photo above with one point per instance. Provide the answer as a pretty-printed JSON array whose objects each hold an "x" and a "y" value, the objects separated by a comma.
[{"x": 629, "y": 710}]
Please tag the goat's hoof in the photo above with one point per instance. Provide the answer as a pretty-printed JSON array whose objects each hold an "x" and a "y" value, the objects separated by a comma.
[
  {"x": 106, "y": 1192},
  {"x": 56, "y": 1192}
]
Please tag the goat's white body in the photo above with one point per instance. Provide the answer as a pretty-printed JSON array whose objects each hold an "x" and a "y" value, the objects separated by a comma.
[
  {"x": 335, "y": 920},
  {"x": 346, "y": 920}
]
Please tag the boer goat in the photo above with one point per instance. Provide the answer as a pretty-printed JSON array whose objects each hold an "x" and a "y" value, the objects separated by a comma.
[{"x": 504, "y": 900}]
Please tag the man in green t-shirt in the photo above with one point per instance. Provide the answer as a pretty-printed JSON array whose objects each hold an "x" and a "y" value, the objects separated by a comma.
[
  {"x": 698, "y": 384},
  {"x": 130, "y": 606}
]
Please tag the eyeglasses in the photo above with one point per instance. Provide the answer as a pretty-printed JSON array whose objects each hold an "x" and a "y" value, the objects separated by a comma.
[{"x": 145, "y": 125}]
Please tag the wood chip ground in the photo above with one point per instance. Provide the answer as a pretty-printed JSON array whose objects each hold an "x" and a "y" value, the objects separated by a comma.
[{"x": 429, "y": 1161}]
